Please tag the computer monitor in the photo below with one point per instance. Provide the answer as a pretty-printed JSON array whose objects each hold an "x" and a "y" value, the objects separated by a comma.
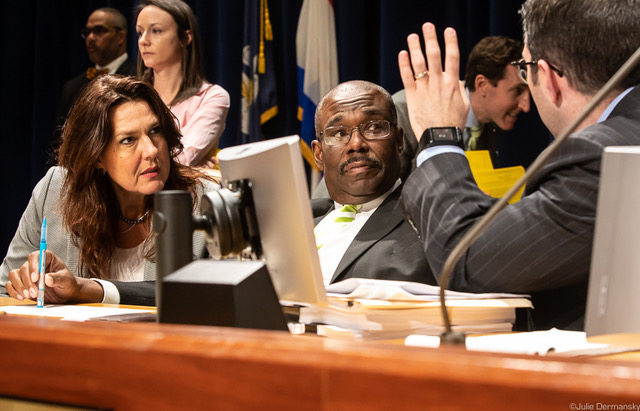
[
  {"x": 283, "y": 212},
  {"x": 613, "y": 305}
]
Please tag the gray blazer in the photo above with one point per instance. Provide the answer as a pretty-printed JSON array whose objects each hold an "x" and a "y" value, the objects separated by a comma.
[
  {"x": 540, "y": 245},
  {"x": 385, "y": 248},
  {"x": 44, "y": 202}
]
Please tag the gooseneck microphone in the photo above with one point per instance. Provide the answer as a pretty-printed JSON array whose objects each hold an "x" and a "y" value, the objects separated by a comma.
[{"x": 449, "y": 337}]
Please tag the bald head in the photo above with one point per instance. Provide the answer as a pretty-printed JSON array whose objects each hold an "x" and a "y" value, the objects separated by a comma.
[
  {"x": 351, "y": 88},
  {"x": 105, "y": 35},
  {"x": 360, "y": 152}
]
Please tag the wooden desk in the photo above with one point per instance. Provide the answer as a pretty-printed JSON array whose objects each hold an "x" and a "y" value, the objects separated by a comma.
[{"x": 150, "y": 366}]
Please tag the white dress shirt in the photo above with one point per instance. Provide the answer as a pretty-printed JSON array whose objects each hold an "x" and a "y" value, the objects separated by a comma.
[{"x": 336, "y": 243}]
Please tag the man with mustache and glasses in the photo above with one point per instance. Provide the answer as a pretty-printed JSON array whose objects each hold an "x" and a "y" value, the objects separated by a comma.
[{"x": 360, "y": 232}]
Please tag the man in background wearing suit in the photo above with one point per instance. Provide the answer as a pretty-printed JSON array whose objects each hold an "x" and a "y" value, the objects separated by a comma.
[
  {"x": 105, "y": 36},
  {"x": 496, "y": 93},
  {"x": 360, "y": 231},
  {"x": 542, "y": 244}
]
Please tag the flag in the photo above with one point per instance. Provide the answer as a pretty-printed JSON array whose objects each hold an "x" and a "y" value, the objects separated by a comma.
[
  {"x": 317, "y": 59},
  {"x": 259, "y": 94}
]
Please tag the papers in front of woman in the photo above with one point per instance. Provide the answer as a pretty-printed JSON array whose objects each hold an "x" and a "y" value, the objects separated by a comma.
[{"x": 73, "y": 312}]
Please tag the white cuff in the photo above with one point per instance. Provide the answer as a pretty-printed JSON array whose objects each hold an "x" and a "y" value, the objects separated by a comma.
[
  {"x": 427, "y": 153},
  {"x": 111, "y": 294}
]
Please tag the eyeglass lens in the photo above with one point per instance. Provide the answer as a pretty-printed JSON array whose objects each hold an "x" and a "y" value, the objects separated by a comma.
[
  {"x": 522, "y": 72},
  {"x": 98, "y": 30},
  {"x": 372, "y": 130}
]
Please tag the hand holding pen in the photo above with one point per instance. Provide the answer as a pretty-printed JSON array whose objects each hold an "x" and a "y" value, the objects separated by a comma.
[{"x": 60, "y": 284}]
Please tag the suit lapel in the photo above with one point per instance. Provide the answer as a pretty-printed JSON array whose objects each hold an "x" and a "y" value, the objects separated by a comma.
[
  {"x": 381, "y": 222},
  {"x": 320, "y": 207}
]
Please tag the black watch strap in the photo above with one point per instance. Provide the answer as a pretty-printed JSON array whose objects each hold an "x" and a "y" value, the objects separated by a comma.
[{"x": 437, "y": 136}]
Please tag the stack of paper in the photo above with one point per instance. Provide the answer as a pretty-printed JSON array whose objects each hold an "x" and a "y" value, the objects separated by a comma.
[
  {"x": 365, "y": 309},
  {"x": 83, "y": 312}
]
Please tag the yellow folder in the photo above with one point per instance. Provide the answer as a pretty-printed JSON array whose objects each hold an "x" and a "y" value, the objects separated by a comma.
[{"x": 494, "y": 181}]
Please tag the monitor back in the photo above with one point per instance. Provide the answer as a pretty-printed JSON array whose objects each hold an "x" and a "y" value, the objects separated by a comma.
[
  {"x": 613, "y": 301},
  {"x": 283, "y": 211}
]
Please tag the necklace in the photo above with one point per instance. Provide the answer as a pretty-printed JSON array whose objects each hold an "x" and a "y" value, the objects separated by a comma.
[{"x": 133, "y": 223}]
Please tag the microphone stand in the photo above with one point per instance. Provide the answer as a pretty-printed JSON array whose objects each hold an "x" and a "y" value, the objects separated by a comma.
[{"x": 458, "y": 338}]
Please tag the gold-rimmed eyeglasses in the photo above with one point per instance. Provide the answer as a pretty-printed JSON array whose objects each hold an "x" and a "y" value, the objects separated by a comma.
[{"x": 370, "y": 130}]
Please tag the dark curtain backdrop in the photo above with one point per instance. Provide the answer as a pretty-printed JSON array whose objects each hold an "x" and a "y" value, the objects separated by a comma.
[{"x": 42, "y": 48}]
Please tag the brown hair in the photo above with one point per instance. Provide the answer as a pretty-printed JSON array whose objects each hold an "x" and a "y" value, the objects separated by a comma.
[
  {"x": 588, "y": 40},
  {"x": 89, "y": 206},
  {"x": 193, "y": 74},
  {"x": 490, "y": 57}
]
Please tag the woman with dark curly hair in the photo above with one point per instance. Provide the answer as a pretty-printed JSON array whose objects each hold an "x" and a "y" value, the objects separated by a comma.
[{"x": 119, "y": 147}]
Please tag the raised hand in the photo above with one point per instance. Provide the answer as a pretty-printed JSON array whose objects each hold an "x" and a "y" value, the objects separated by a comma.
[{"x": 435, "y": 97}]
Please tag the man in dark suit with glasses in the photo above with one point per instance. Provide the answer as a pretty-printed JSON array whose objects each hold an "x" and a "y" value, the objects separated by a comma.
[
  {"x": 542, "y": 244},
  {"x": 360, "y": 232},
  {"x": 105, "y": 36}
]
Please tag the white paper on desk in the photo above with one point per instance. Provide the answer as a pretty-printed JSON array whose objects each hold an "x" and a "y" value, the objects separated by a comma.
[
  {"x": 535, "y": 343},
  {"x": 68, "y": 312},
  {"x": 390, "y": 290}
]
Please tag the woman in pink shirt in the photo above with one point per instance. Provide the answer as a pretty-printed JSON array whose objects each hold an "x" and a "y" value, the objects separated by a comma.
[{"x": 170, "y": 58}]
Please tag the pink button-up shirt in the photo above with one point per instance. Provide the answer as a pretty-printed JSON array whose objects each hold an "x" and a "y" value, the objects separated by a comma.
[{"x": 201, "y": 121}]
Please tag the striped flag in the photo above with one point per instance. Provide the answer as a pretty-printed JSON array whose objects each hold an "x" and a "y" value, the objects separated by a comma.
[
  {"x": 259, "y": 94},
  {"x": 317, "y": 60}
]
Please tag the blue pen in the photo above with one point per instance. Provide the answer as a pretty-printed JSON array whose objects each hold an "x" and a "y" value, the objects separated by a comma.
[{"x": 43, "y": 262}]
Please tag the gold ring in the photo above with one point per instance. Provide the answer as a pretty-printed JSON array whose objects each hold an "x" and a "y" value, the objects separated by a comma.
[{"x": 420, "y": 75}]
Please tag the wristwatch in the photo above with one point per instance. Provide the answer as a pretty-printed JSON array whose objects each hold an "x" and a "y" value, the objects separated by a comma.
[{"x": 437, "y": 136}]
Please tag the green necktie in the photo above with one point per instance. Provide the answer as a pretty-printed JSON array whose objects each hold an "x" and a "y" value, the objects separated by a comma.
[
  {"x": 326, "y": 229},
  {"x": 346, "y": 214},
  {"x": 476, "y": 132}
]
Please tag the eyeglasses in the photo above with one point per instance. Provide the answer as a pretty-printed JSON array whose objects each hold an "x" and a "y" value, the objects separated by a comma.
[
  {"x": 98, "y": 30},
  {"x": 521, "y": 65},
  {"x": 370, "y": 130}
]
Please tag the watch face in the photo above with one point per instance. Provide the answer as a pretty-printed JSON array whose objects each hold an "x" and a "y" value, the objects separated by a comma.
[
  {"x": 442, "y": 134},
  {"x": 437, "y": 136}
]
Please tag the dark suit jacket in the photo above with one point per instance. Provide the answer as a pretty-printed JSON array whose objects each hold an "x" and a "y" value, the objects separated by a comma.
[
  {"x": 385, "y": 248},
  {"x": 72, "y": 89},
  {"x": 539, "y": 245}
]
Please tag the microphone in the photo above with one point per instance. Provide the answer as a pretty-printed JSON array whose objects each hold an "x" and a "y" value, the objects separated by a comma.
[{"x": 448, "y": 337}]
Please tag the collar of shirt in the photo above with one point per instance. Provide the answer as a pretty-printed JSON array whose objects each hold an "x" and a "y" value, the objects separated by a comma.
[
  {"x": 373, "y": 204},
  {"x": 472, "y": 121},
  {"x": 115, "y": 64},
  {"x": 614, "y": 103}
]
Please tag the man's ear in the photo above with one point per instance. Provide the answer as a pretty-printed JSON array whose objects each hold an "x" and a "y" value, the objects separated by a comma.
[
  {"x": 122, "y": 37},
  {"x": 550, "y": 82},
  {"x": 481, "y": 83},
  {"x": 318, "y": 154}
]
